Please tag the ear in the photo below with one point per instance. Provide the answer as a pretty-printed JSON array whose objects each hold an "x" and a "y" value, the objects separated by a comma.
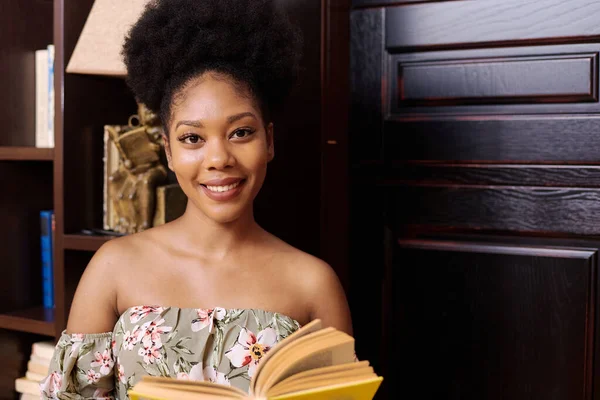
[
  {"x": 270, "y": 142},
  {"x": 168, "y": 151}
]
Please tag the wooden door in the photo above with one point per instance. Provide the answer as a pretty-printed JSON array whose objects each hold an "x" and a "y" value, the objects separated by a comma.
[{"x": 475, "y": 196}]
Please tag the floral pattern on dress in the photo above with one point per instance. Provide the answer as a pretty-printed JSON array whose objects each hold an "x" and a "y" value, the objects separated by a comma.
[
  {"x": 218, "y": 345},
  {"x": 249, "y": 349}
]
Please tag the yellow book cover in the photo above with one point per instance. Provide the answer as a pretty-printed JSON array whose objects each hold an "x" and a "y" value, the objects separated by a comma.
[{"x": 314, "y": 363}]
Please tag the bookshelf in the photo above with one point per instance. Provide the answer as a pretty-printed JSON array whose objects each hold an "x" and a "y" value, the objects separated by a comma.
[
  {"x": 83, "y": 242},
  {"x": 36, "y": 320},
  {"x": 23, "y": 153},
  {"x": 66, "y": 178}
]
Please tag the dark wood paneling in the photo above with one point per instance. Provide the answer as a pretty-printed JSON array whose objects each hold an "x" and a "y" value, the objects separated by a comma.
[
  {"x": 367, "y": 232},
  {"x": 383, "y": 3},
  {"x": 479, "y": 174},
  {"x": 21, "y": 33},
  {"x": 490, "y": 126},
  {"x": 510, "y": 139},
  {"x": 366, "y": 72},
  {"x": 507, "y": 80},
  {"x": 479, "y": 328},
  {"x": 535, "y": 79},
  {"x": 293, "y": 178},
  {"x": 335, "y": 102},
  {"x": 453, "y": 23},
  {"x": 502, "y": 208},
  {"x": 365, "y": 142}
]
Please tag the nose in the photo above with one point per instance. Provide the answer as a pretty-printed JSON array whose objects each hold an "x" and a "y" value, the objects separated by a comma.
[{"x": 218, "y": 155}]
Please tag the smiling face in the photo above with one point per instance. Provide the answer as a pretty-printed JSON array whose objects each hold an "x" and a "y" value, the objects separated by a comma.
[{"x": 218, "y": 146}]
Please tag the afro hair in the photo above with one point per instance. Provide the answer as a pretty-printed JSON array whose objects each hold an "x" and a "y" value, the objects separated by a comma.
[{"x": 174, "y": 41}]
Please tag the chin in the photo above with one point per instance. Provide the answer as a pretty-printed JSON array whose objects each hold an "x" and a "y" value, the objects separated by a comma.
[
  {"x": 223, "y": 214},
  {"x": 224, "y": 218}
]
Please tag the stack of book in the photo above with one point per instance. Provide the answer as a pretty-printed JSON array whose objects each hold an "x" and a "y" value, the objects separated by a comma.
[{"x": 37, "y": 369}]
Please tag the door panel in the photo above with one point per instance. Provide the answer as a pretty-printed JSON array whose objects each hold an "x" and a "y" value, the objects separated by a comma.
[
  {"x": 555, "y": 139},
  {"x": 489, "y": 22},
  {"x": 531, "y": 79},
  {"x": 496, "y": 321},
  {"x": 499, "y": 208},
  {"x": 476, "y": 117}
]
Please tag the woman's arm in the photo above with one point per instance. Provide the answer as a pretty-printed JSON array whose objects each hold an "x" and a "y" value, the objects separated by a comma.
[
  {"x": 94, "y": 306},
  {"x": 327, "y": 298}
]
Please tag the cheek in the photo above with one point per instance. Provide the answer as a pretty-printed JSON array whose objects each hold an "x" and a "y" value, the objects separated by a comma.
[
  {"x": 186, "y": 163},
  {"x": 255, "y": 159}
]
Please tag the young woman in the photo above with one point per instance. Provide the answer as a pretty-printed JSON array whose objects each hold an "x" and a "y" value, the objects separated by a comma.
[{"x": 206, "y": 296}]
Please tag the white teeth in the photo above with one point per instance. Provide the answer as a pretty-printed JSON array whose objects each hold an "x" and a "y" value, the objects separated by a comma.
[{"x": 223, "y": 188}]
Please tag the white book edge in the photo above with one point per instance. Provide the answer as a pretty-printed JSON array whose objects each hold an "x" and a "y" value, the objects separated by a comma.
[
  {"x": 32, "y": 376},
  {"x": 41, "y": 99},
  {"x": 43, "y": 349},
  {"x": 24, "y": 385}
]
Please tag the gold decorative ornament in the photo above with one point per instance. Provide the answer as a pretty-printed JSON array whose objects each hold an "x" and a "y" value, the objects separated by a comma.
[{"x": 131, "y": 188}]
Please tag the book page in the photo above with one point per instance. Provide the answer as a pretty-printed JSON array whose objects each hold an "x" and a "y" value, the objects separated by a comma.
[
  {"x": 360, "y": 390},
  {"x": 361, "y": 365},
  {"x": 192, "y": 386},
  {"x": 316, "y": 381},
  {"x": 337, "y": 348},
  {"x": 281, "y": 357},
  {"x": 145, "y": 391},
  {"x": 309, "y": 328}
]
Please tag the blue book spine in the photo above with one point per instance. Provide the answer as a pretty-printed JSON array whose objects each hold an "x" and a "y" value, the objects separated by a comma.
[{"x": 46, "y": 220}]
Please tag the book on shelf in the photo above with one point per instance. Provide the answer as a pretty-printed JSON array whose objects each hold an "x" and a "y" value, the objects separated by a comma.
[
  {"x": 37, "y": 370},
  {"x": 312, "y": 363},
  {"x": 44, "y": 97},
  {"x": 47, "y": 226}
]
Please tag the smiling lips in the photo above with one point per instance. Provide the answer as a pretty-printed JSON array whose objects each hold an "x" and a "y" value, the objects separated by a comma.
[{"x": 222, "y": 189}]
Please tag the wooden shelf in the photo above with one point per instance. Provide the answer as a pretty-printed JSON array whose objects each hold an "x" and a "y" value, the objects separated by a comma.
[
  {"x": 37, "y": 320},
  {"x": 83, "y": 242},
  {"x": 26, "y": 153}
]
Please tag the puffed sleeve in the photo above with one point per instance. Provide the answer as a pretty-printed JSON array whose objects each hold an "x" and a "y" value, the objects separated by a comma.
[{"x": 81, "y": 368}]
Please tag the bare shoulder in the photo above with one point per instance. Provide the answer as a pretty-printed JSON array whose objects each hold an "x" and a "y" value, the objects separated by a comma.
[
  {"x": 94, "y": 305},
  {"x": 320, "y": 287},
  {"x": 315, "y": 272}
]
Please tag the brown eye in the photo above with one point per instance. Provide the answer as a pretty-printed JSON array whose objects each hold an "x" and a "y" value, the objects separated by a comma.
[
  {"x": 241, "y": 133},
  {"x": 190, "y": 139}
]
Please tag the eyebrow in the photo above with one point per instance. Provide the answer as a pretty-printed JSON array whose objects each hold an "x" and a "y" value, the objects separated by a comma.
[{"x": 231, "y": 119}]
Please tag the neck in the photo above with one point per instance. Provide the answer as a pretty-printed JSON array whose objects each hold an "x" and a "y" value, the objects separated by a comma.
[{"x": 214, "y": 240}]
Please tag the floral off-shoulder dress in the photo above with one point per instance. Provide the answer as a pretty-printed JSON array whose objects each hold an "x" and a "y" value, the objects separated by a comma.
[{"x": 218, "y": 345}]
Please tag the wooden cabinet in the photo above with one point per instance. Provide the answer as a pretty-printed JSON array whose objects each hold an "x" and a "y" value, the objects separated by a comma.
[{"x": 475, "y": 196}]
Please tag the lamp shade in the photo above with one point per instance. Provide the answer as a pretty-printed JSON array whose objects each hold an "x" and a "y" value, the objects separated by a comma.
[{"x": 98, "y": 49}]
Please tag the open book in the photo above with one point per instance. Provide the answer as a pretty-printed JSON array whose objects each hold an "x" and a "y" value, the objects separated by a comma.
[{"x": 311, "y": 363}]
